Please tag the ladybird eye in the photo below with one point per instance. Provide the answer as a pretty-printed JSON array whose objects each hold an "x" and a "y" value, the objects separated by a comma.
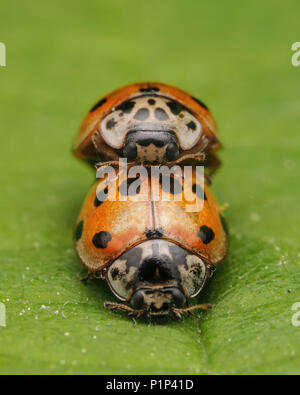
[
  {"x": 178, "y": 297},
  {"x": 193, "y": 275},
  {"x": 137, "y": 300}
]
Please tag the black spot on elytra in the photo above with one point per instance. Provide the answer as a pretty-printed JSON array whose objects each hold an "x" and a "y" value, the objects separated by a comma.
[
  {"x": 175, "y": 186},
  {"x": 199, "y": 191},
  {"x": 152, "y": 102},
  {"x": 192, "y": 125},
  {"x": 101, "y": 197},
  {"x": 206, "y": 234},
  {"x": 127, "y": 189},
  {"x": 79, "y": 231},
  {"x": 98, "y": 105},
  {"x": 224, "y": 224},
  {"x": 111, "y": 124},
  {"x": 200, "y": 102},
  {"x": 149, "y": 90},
  {"x": 175, "y": 107},
  {"x": 142, "y": 114},
  {"x": 101, "y": 240},
  {"x": 154, "y": 233},
  {"x": 126, "y": 107},
  {"x": 161, "y": 115}
]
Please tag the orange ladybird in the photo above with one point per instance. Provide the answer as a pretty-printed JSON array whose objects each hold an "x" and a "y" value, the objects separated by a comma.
[
  {"x": 149, "y": 123},
  {"x": 154, "y": 254}
]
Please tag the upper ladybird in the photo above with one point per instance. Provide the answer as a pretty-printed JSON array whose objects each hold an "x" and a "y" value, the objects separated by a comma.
[{"x": 148, "y": 123}]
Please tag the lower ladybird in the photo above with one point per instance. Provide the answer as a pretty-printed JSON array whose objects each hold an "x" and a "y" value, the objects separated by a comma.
[{"x": 154, "y": 254}]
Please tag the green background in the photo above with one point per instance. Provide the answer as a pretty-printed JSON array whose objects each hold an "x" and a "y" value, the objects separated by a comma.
[{"x": 64, "y": 55}]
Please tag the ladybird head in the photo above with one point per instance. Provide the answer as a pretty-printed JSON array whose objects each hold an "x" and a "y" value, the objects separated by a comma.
[
  {"x": 151, "y": 129},
  {"x": 158, "y": 301},
  {"x": 156, "y": 278}
]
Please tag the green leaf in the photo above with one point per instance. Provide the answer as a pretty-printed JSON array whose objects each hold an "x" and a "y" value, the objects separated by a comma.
[{"x": 235, "y": 57}]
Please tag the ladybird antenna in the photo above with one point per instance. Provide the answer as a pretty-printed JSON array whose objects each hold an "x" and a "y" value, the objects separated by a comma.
[
  {"x": 192, "y": 308},
  {"x": 123, "y": 307}
]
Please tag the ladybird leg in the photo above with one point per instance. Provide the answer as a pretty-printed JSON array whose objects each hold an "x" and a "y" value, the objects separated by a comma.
[
  {"x": 112, "y": 163},
  {"x": 224, "y": 207},
  {"x": 93, "y": 275},
  {"x": 88, "y": 277},
  {"x": 211, "y": 270},
  {"x": 177, "y": 315},
  {"x": 208, "y": 179},
  {"x": 135, "y": 314},
  {"x": 200, "y": 158},
  {"x": 213, "y": 163},
  {"x": 197, "y": 157}
]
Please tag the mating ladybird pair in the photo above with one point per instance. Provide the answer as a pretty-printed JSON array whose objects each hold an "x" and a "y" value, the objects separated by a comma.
[{"x": 153, "y": 253}]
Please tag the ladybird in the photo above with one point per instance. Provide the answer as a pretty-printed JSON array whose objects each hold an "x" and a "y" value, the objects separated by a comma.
[
  {"x": 149, "y": 123},
  {"x": 154, "y": 254}
]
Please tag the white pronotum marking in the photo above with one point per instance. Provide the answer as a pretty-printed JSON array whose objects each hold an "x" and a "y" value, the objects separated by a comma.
[{"x": 118, "y": 123}]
